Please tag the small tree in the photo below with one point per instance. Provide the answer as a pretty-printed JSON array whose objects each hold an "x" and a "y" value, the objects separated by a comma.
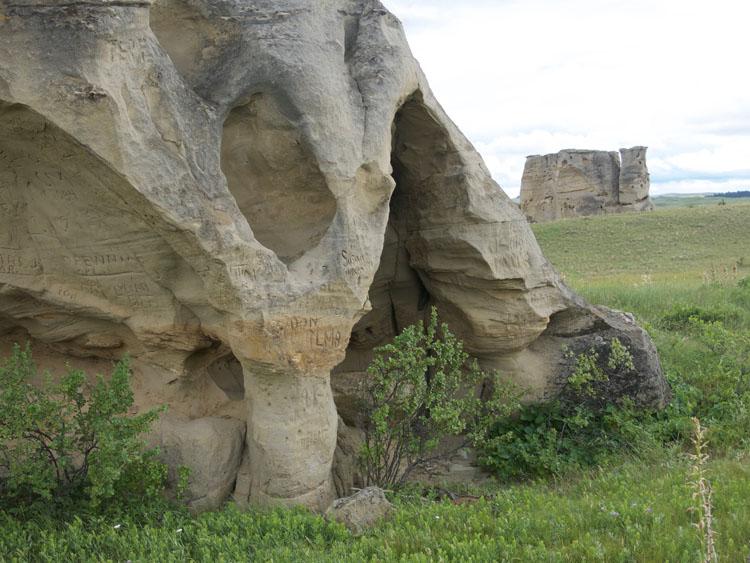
[
  {"x": 422, "y": 389},
  {"x": 71, "y": 439}
]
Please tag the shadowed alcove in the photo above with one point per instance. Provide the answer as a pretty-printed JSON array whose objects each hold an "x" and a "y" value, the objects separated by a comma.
[{"x": 423, "y": 161}]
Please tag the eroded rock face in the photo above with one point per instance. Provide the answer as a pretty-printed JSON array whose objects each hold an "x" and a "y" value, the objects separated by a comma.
[
  {"x": 210, "y": 448},
  {"x": 245, "y": 196},
  {"x": 346, "y": 471},
  {"x": 575, "y": 183}
]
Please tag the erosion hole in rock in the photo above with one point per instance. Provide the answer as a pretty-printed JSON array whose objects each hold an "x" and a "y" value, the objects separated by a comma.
[
  {"x": 218, "y": 364},
  {"x": 422, "y": 161},
  {"x": 226, "y": 373},
  {"x": 351, "y": 31},
  {"x": 275, "y": 179}
]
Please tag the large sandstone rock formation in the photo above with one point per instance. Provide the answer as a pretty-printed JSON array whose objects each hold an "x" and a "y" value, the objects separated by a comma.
[
  {"x": 244, "y": 195},
  {"x": 575, "y": 183}
]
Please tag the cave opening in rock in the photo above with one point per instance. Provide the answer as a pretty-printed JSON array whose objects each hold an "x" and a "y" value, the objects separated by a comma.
[
  {"x": 421, "y": 159},
  {"x": 275, "y": 179},
  {"x": 226, "y": 373},
  {"x": 219, "y": 366}
]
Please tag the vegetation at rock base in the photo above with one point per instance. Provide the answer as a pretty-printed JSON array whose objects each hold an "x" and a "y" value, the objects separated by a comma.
[
  {"x": 684, "y": 273},
  {"x": 623, "y": 513},
  {"x": 423, "y": 389},
  {"x": 71, "y": 445}
]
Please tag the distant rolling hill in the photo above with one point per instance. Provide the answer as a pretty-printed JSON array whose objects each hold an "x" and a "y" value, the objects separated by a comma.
[{"x": 675, "y": 241}]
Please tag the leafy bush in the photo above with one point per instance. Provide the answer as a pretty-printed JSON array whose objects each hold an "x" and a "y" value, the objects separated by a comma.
[
  {"x": 557, "y": 438},
  {"x": 71, "y": 441},
  {"x": 421, "y": 390},
  {"x": 568, "y": 433},
  {"x": 586, "y": 373}
]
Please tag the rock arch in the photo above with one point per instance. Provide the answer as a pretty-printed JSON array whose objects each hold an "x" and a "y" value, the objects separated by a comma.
[{"x": 160, "y": 259}]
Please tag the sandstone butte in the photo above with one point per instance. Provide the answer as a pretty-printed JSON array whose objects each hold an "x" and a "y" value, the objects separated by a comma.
[
  {"x": 247, "y": 196},
  {"x": 578, "y": 183}
]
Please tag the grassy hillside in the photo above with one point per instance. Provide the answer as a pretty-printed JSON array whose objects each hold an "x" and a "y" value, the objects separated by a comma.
[
  {"x": 682, "y": 245},
  {"x": 652, "y": 263}
]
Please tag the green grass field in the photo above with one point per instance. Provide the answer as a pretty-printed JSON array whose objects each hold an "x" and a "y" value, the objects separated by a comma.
[
  {"x": 679, "y": 245},
  {"x": 619, "y": 514},
  {"x": 651, "y": 263},
  {"x": 681, "y": 271}
]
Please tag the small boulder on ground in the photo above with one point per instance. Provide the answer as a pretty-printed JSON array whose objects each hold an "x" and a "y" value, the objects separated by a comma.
[{"x": 361, "y": 510}]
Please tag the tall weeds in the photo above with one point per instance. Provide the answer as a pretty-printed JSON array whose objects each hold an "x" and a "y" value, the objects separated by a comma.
[{"x": 702, "y": 493}]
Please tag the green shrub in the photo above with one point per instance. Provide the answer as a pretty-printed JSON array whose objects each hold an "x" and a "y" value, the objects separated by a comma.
[
  {"x": 558, "y": 438},
  {"x": 422, "y": 389},
  {"x": 589, "y": 369},
  {"x": 712, "y": 382},
  {"x": 570, "y": 433},
  {"x": 586, "y": 372},
  {"x": 70, "y": 441}
]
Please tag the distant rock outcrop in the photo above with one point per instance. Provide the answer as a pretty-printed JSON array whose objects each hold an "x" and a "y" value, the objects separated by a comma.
[{"x": 574, "y": 183}]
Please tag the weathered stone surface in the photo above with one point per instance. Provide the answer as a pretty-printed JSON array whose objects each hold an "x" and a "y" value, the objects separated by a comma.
[
  {"x": 211, "y": 448},
  {"x": 246, "y": 196},
  {"x": 595, "y": 331},
  {"x": 635, "y": 181},
  {"x": 362, "y": 510},
  {"x": 574, "y": 183},
  {"x": 346, "y": 472}
]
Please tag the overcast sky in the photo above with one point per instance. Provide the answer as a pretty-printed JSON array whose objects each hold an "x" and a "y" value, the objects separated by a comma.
[{"x": 523, "y": 77}]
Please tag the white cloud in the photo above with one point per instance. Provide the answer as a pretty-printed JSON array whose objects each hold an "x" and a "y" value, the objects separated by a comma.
[{"x": 535, "y": 76}]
